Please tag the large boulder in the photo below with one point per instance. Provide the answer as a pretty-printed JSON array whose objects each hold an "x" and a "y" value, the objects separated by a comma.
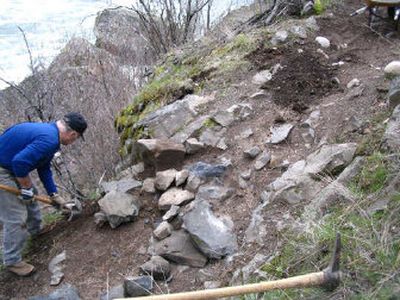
[
  {"x": 170, "y": 119},
  {"x": 123, "y": 185},
  {"x": 178, "y": 248},
  {"x": 160, "y": 154},
  {"x": 119, "y": 208},
  {"x": 211, "y": 235},
  {"x": 117, "y": 30}
]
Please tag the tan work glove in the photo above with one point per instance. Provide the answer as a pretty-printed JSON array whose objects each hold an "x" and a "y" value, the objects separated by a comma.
[{"x": 58, "y": 201}]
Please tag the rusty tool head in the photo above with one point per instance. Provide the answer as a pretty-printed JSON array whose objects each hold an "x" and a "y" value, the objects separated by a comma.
[
  {"x": 73, "y": 209},
  {"x": 332, "y": 273}
]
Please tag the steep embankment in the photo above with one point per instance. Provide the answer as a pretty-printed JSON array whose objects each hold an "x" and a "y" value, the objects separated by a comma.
[{"x": 277, "y": 113}]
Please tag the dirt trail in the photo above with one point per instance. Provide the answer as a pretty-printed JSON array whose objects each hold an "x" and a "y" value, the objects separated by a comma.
[{"x": 100, "y": 257}]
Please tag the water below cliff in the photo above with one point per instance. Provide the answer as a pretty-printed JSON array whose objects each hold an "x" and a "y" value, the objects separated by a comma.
[{"x": 48, "y": 25}]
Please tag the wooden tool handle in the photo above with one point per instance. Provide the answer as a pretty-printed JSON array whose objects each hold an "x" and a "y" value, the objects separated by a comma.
[
  {"x": 17, "y": 192},
  {"x": 307, "y": 280}
]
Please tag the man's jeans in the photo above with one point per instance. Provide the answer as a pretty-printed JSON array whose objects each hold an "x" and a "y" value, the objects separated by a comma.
[{"x": 18, "y": 219}]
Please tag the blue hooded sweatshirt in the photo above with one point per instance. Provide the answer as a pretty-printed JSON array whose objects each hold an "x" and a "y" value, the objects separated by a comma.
[{"x": 28, "y": 146}]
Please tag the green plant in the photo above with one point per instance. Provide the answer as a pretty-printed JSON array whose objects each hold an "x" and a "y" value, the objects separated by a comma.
[
  {"x": 320, "y": 6},
  {"x": 51, "y": 218},
  {"x": 373, "y": 175}
]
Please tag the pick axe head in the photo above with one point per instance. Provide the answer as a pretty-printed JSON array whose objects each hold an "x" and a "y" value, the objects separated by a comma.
[
  {"x": 332, "y": 273},
  {"x": 73, "y": 209}
]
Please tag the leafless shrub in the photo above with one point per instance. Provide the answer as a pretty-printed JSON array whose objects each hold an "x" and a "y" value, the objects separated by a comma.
[{"x": 167, "y": 24}]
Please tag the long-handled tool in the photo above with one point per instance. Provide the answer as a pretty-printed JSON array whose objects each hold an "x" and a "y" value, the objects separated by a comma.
[
  {"x": 328, "y": 278},
  {"x": 74, "y": 208}
]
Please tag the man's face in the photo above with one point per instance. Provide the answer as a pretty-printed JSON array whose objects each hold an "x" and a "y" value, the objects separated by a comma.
[{"x": 69, "y": 137}]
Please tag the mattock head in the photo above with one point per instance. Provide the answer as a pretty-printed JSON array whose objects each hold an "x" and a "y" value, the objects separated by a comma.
[{"x": 332, "y": 272}]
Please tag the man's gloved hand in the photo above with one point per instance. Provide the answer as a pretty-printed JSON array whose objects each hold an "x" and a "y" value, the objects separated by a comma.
[
  {"x": 27, "y": 195},
  {"x": 58, "y": 201}
]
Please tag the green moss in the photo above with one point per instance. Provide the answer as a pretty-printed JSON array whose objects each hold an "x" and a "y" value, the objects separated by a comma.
[{"x": 209, "y": 123}]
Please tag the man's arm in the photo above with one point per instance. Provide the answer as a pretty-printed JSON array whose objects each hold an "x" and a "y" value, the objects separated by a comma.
[
  {"x": 46, "y": 177},
  {"x": 25, "y": 182}
]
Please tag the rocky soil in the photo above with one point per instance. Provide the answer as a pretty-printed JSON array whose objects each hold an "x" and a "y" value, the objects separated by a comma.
[{"x": 309, "y": 99}]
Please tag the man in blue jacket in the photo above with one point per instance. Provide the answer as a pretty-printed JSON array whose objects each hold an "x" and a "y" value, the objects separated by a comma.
[{"x": 25, "y": 147}]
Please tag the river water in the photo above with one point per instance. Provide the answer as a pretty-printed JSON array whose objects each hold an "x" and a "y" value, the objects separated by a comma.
[{"x": 48, "y": 25}]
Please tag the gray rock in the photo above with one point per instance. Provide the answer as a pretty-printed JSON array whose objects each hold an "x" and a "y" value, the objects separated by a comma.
[
  {"x": 167, "y": 121},
  {"x": 213, "y": 192},
  {"x": 392, "y": 69},
  {"x": 297, "y": 184},
  {"x": 351, "y": 171},
  {"x": 122, "y": 185},
  {"x": 391, "y": 137},
  {"x": 330, "y": 196},
  {"x": 212, "y": 284},
  {"x": 222, "y": 144},
  {"x": 100, "y": 218},
  {"x": 242, "y": 183},
  {"x": 174, "y": 196},
  {"x": 178, "y": 248},
  {"x": 138, "y": 286},
  {"x": 241, "y": 111},
  {"x": 149, "y": 185},
  {"x": 210, "y": 234},
  {"x": 202, "y": 169},
  {"x": 257, "y": 230},
  {"x": 119, "y": 208},
  {"x": 113, "y": 31},
  {"x": 171, "y": 213},
  {"x": 313, "y": 119},
  {"x": 262, "y": 77},
  {"x": 116, "y": 292},
  {"x": 192, "y": 146},
  {"x": 181, "y": 176},
  {"x": 157, "y": 267},
  {"x": 160, "y": 154},
  {"x": 56, "y": 268},
  {"x": 223, "y": 118},
  {"x": 330, "y": 159},
  {"x": 279, "y": 133},
  {"x": 194, "y": 182},
  {"x": 311, "y": 23},
  {"x": 307, "y": 134},
  {"x": 189, "y": 130},
  {"x": 163, "y": 230},
  {"x": 246, "y": 133},
  {"x": 353, "y": 83},
  {"x": 394, "y": 92},
  {"x": 279, "y": 37},
  {"x": 262, "y": 160},
  {"x": 246, "y": 175},
  {"x": 323, "y": 41},
  {"x": 164, "y": 179},
  {"x": 252, "y": 152},
  {"x": 65, "y": 292},
  {"x": 299, "y": 31},
  {"x": 210, "y": 137}
]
